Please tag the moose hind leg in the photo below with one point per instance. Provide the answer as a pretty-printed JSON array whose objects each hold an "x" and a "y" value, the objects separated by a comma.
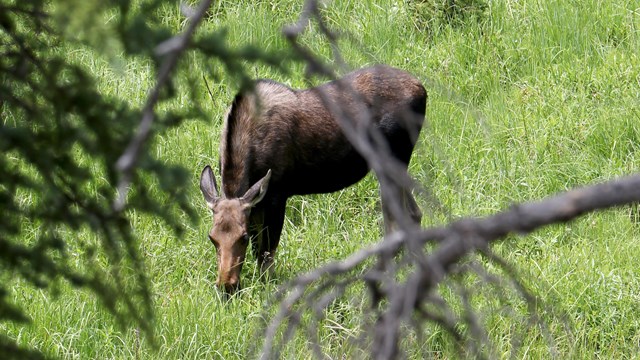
[
  {"x": 387, "y": 214},
  {"x": 399, "y": 209},
  {"x": 411, "y": 206}
]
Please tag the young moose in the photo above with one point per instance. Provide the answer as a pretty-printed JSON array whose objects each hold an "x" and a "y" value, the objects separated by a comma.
[{"x": 278, "y": 142}]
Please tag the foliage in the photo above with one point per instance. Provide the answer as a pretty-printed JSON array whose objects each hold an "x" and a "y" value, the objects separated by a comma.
[{"x": 60, "y": 138}]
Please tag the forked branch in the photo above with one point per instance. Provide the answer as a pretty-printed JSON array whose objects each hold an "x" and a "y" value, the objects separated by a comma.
[
  {"x": 454, "y": 242},
  {"x": 396, "y": 300}
]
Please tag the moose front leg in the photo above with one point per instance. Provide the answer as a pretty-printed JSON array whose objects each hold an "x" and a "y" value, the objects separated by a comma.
[
  {"x": 268, "y": 236},
  {"x": 256, "y": 229}
]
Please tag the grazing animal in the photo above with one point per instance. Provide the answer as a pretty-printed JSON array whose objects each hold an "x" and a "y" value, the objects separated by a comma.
[{"x": 278, "y": 142}]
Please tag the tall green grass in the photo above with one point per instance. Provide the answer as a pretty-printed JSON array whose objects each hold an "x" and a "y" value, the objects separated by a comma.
[{"x": 529, "y": 99}]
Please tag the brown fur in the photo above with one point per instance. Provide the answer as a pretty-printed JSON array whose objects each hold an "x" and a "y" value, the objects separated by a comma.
[{"x": 293, "y": 134}]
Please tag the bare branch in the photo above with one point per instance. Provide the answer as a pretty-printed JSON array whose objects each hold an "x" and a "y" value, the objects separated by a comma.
[
  {"x": 172, "y": 49},
  {"x": 398, "y": 300},
  {"x": 455, "y": 242}
]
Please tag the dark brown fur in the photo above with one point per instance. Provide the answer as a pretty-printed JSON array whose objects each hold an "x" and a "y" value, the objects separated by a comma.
[{"x": 292, "y": 135}]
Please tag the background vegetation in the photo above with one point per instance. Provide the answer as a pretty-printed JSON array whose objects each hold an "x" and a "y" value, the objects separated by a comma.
[{"x": 526, "y": 99}]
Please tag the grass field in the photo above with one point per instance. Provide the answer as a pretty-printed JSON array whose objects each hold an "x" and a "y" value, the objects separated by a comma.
[{"x": 530, "y": 99}]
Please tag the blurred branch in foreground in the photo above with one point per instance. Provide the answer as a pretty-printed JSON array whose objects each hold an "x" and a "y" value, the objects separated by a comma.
[
  {"x": 396, "y": 302},
  {"x": 402, "y": 274}
]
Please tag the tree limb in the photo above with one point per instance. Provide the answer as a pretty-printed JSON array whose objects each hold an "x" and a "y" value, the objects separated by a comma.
[
  {"x": 172, "y": 49},
  {"x": 455, "y": 241}
]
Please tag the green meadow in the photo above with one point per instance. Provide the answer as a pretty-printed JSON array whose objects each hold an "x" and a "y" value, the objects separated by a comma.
[{"x": 526, "y": 99}]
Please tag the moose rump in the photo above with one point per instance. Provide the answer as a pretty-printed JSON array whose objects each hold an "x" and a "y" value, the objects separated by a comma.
[{"x": 278, "y": 142}]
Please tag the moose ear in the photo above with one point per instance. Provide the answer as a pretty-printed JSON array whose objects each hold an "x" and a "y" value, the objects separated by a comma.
[
  {"x": 257, "y": 191},
  {"x": 209, "y": 187}
]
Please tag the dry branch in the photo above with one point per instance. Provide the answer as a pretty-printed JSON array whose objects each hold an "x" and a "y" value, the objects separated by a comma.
[
  {"x": 411, "y": 301},
  {"x": 171, "y": 49},
  {"x": 455, "y": 241}
]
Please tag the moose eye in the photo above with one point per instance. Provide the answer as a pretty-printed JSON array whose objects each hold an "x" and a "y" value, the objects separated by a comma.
[{"x": 244, "y": 238}]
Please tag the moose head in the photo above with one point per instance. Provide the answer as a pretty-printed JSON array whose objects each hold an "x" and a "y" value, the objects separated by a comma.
[{"x": 229, "y": 233}]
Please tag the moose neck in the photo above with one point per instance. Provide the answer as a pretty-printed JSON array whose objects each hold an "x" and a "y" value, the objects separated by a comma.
[
  {"x": 248, "y": 114},
  {"x": 235, "y": 147}
]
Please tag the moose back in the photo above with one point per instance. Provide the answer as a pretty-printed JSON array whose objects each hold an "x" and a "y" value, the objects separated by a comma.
[{"x": 278, "y": 142}]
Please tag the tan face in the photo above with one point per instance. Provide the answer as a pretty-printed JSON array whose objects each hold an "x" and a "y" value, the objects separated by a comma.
[
  {"x": 230, "y": 223},
  {"x": 230, "y": 237}
]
